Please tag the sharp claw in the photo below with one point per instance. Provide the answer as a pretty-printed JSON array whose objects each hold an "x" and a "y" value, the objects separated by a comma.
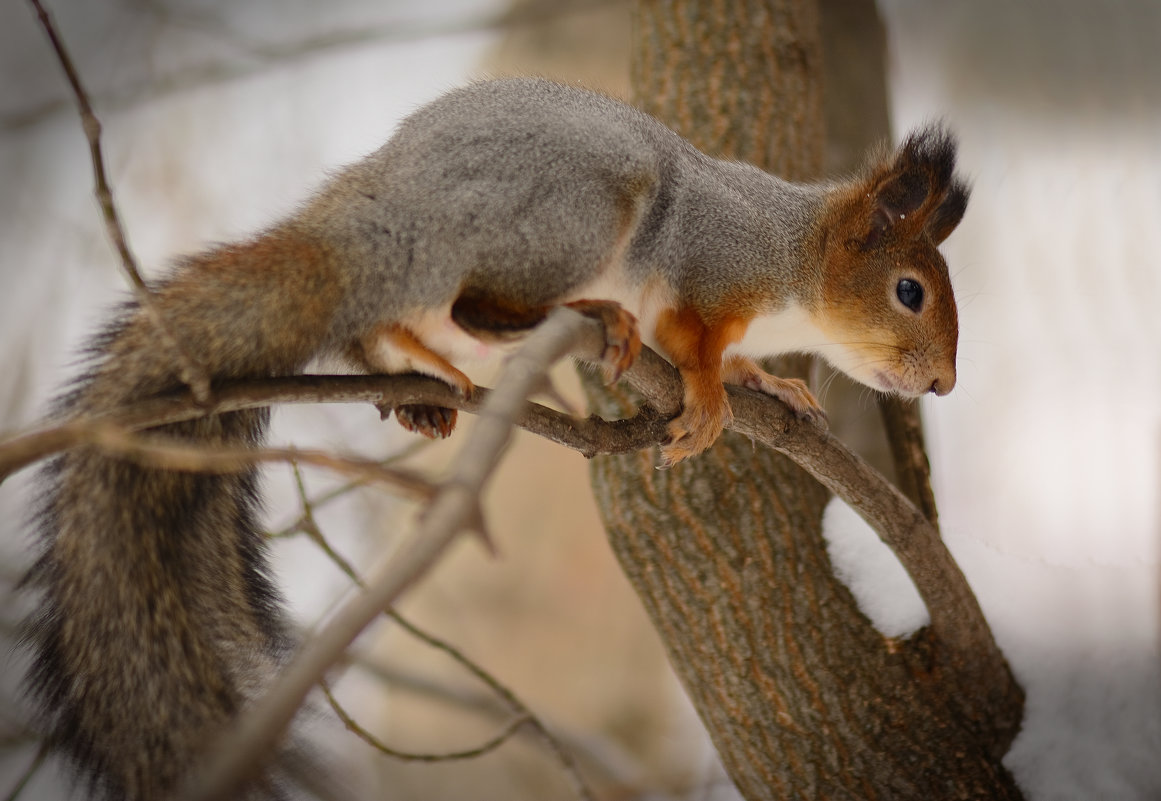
[
  {"x": 816, "y": 416},
  {"x": 621, "y": 337}
]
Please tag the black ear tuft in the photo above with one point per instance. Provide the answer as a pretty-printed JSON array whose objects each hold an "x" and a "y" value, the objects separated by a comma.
[
  {"x": 949, "y": 212},
  {"x": 901, "y": 196},
  {"x": 930, "y": 150},
  {"x": 919, "y": 187}
]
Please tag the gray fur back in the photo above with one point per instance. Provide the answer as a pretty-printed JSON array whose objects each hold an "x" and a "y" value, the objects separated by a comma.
[{"x": 518, "y": 187}]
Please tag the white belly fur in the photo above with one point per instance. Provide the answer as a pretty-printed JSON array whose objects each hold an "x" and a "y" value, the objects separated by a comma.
[{"x": 790, "y": 330}]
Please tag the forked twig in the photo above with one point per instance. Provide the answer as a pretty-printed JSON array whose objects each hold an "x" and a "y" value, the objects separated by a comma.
[
  {"x": 491, "y": 744},
  {"x": 310, "y": 504},
  {"x": 191, "y": 374},
  {"x": 523, "y": 715}
]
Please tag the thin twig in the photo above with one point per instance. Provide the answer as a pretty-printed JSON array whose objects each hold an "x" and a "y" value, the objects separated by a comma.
[
  {"x": 488, "y": 745},
  {"x": 310, "y": 504},
  {"x": 455, "y": 506},
  {"x": 191, "y": 374},
  {"x": 515, "y": 705},
  {"x": 310, "y": 527},
  {"x": 600, "y": 755},
  {"x": 562, "y": 754},
  {"x": 589, "y": 436},
  {"x": 172, "y": 454}
]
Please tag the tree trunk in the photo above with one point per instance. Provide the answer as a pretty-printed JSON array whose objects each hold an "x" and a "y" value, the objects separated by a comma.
[{"x": 802, "y": 697}]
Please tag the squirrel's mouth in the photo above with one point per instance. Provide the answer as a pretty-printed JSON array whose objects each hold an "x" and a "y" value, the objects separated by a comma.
[{"x": 893, "y": 384}]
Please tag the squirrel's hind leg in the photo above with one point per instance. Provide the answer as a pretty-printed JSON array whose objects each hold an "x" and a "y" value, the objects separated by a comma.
[
  {"x": 490, "y": 320},
  {"x": 433, "y": 422},
  {"x": 622, "y": 338},
  {"x": 394, "y": 348}
]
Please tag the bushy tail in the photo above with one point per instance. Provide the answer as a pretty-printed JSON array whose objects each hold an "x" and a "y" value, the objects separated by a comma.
[{"x": 157, "y": 621}]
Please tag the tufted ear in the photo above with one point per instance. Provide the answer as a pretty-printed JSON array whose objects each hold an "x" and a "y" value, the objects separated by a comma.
[
  {"x": 917, "y": 190},
  {"x": 949, "y": 212}
]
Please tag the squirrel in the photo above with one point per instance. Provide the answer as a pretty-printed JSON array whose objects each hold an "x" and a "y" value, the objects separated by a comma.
[{"x": 488, "y": 207}]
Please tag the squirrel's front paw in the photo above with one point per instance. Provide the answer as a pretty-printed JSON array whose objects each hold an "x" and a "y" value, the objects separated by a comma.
[
  {"x": 795, "y": 394},
  {"x": 791, "y": 391},
  {"x": 697, "y": 428}
]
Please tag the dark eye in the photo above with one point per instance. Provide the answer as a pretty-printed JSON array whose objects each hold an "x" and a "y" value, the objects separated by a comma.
[{"x": 910, "y": 294}]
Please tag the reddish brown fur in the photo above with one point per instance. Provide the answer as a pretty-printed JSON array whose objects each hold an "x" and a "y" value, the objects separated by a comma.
[
  {"x": 402, "y": 339},
  {"x": 745, "y": 372},
  {"x": 275, "y": 297},
  {"x": 433, "y": 422},
  {"x": 863, "y": 259},
  {"x": 695, "y": 347}
]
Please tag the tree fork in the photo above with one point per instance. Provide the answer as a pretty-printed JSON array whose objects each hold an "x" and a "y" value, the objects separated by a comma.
[{"x": 802, "y": 697}]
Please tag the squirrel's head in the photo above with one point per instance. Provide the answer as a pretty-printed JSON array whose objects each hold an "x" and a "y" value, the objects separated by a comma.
[{"x": 886, "y": 302}]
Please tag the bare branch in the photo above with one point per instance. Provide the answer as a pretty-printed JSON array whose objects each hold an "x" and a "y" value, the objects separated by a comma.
[
  {"x": 901, "y": 525},
  {"x": 507, "y": 697},
  {"x": 170, "y": 454},
  {"x": 960, "y": 630},
  {"x": 602, "y": 755},
  {"x": 453, "y": 507},
  {"x": 353, "y": 726},
  {"x": 191, "y": 373},
  {"x": 956, "y": 617},
  {"x": 521, "y": 711},
  {"x": 589, "y": 436}
]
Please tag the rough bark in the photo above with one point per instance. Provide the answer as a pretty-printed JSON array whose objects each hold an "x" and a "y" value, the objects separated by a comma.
[{"x": 802, "y": 697}]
